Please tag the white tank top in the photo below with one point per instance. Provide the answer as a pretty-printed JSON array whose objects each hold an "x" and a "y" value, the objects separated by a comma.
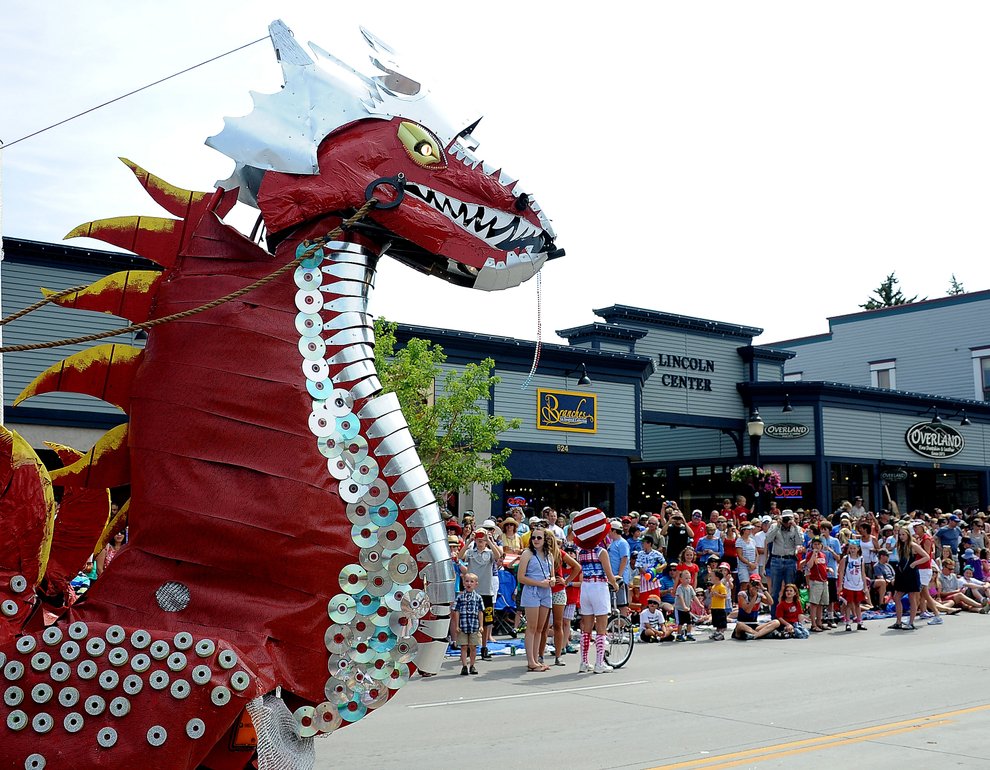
[
  {"x": 852, "y": 580},
  {"x": 869, "y": 557}
]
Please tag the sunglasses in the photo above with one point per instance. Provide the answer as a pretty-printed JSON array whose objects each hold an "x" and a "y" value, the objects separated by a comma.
[{"x": 536, "y": 537}]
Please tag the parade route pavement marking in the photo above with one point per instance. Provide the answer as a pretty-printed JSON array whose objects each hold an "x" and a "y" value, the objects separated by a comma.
[
  {"x": 780, "y": 750},
  {"x": 462, "y": 701}
]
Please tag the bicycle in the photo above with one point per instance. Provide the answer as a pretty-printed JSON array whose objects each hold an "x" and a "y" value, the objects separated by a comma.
[{"x": 620, "y": 637}]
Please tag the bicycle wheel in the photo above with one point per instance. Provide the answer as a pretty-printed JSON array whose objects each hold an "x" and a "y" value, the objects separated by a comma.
[{"x": 621, "y": 637}]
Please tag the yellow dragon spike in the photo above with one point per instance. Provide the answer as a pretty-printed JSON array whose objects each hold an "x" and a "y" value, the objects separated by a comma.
[
  {"x": 114, "y": 525},
  {"x": 175, "y": 200},
  {"x": 107, "y": 464},
  {"x": 105, "y": 372},
  {"x": 127, "y": 294},
  {"x": 155, "y": 238},
  {"x": 27, "y": 511}
]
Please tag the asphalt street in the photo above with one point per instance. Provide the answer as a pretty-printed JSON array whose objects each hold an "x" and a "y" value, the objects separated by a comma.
[{"x": 878, "y": 699}]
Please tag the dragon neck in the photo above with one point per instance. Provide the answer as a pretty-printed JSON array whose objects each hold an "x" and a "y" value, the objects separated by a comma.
[{"x": 372, "y": 455}]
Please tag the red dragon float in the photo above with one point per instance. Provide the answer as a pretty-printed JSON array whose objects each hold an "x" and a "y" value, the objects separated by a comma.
[{"x": 287, "y": 567}]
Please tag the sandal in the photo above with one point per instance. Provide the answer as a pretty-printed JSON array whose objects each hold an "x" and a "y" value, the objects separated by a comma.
[
  {"x": 898, "y": 626},
  {"x": 540, "y": 667},
  {"x": 559, "y": 662}
]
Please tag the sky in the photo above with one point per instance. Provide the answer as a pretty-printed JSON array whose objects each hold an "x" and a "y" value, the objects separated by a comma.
[{"x": 757, "y": 163}]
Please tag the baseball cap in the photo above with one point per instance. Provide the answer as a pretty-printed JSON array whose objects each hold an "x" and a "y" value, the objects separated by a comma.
[
  {"x": 787, "y": 513},
  {"x": 653, "y": 600},
  {"x": 755, "y": 578},
  {"x": 953, "y": 517},
  {"x": 696, "y": 514},
  {"x": 725, "y": 565},
  {"x": 712, "y": 557},
  {"x": 533, "y": 520},
  {"x": 479, "y": 534},
  {"x": 968, "y": 568},
  {"x": 766, "y": 519},
  {"x": 489, "y": 524},
  {"x": 747, "y": 525}
]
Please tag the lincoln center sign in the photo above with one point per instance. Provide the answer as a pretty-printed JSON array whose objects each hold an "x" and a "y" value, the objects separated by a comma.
[
  {"x": 689, "y": 364},
  {"x": 935, "y": 441}
]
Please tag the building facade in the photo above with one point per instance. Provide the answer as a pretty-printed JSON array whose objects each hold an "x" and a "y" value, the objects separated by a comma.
[{"x": 643, "y": 406}]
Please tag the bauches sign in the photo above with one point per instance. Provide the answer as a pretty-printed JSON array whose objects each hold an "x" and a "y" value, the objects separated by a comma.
[
  {"x": 934, "y": 441},
  {"x": 786, "y": 430}
]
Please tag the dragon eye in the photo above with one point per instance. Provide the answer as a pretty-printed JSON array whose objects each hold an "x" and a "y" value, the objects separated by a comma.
[{"x": 420, "y": 144}]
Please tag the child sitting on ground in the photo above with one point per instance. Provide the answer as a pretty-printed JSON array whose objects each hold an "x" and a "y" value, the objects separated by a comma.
[
  {"x": 653, "y": 627},
  {"x": 468, "y": 615}
]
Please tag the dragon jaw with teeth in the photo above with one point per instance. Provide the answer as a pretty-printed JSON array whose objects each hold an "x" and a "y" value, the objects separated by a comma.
[{"x": 283, "y": 534}]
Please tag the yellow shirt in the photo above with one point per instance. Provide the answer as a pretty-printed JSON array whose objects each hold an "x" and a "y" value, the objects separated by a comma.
[{"x": 719, "y": 595}]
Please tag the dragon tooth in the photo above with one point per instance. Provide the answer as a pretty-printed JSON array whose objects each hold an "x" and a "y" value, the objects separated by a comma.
[
  {"x": 489, "y": 170},
  {"x": 505, "y": 180}
]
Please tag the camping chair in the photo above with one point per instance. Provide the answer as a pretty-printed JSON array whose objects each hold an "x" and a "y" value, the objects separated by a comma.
[{"x": 505, "y": 605}]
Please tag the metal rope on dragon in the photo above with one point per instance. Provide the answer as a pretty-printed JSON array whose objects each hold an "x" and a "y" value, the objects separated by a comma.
[{"x": 287, "y": 568}]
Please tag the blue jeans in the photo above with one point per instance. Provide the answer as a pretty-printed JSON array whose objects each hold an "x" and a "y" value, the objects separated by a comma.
[{"x": 782, "y": 572}]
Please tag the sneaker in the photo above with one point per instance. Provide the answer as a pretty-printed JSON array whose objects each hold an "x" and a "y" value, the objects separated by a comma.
[
  {"x": 690, "y": 637},
  {"x": 473, "y": 671},
  {"x": 485, "y": 655},
  {"x": 464, "y": 671},
  {"x": 936, "y": 621},
  {"x": 925, "y": 615},
  {"x": 848, "y": 627},
  {"x": 718, "y": 637},
  {"x": 584, "y": 667},
  {"x": 860, "y": 627},
  {"x": 570, "y": 650},
  {"x": 680, "y": 638},
  {"x": 603, "y": 668}
]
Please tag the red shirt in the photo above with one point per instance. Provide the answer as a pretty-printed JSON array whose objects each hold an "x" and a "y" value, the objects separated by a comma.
[
  {"x": 699, "y": 529},
  {"x": 688, "y": 567},
  {"x": 928, "y": 543},
  {"x": 739, "y": 514},
  {"x": 818, "y": 567},
  {"x": 789, "y": 611}
]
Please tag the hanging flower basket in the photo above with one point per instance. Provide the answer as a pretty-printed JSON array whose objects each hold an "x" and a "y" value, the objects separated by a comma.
[{"x": 759, "y": 479}]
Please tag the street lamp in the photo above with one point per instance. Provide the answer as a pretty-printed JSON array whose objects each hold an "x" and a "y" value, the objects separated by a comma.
[
  {"x": 754, "y": 427},
  {"x": 584, "y": 380}
]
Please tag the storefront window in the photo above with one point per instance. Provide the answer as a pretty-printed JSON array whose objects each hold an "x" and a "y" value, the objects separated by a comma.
[
  {"x": 797, "y": 489},
  {"x": 561, "y": 495},
  {"x": 850, "y": 480}
]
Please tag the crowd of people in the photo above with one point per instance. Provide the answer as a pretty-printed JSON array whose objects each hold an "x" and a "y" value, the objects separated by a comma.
[{"x": 782, "y": 573}]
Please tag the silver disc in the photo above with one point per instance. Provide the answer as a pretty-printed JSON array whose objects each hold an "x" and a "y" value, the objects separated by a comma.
[
  {"x": 342, "y": 608},
  {"x": 351, "y": 491},
  {"x": 312, "y": 348},
  {"x": 353, "y": 579},
  {"x": 358, "y": 513},
  {"x": 307, "y": 278},
  {"x": 315, "y": 370},
  {"x": 331, "y": 446},
  {"x": 341, "y": 402},
  {"x": 338, "y": 638},
  {"x": 309, "y": 301},
  {"x": 321, "y": 423},
  {"x": 377, "y": 492}
]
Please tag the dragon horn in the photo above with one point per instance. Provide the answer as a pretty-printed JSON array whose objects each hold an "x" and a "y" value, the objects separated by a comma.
[
  {"x": 154, "y": 238},
  {"x": 127, "y": 294},
  {"x": 113, "y": 526},
  {"x": 105, "y": 372}
]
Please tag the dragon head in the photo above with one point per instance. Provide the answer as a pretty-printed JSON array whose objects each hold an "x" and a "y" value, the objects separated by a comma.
[{"x": 333, "y": 137}]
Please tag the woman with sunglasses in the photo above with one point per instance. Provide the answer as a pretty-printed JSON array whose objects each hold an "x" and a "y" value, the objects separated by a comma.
[{"x": 536, "y": 575}]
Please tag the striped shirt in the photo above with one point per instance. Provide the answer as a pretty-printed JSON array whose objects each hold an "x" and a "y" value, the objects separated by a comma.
[{"x": 591, "y": 568}]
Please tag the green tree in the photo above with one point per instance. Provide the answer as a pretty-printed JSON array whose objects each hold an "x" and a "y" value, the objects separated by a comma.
[
  {"x": 888, "y": 294},
  {"x": 447, "y": 414},
  {"x": 955, "y": 287}
]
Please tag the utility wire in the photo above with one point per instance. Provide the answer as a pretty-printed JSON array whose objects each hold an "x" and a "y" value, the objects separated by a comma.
[{"x": 135, "y": 91}]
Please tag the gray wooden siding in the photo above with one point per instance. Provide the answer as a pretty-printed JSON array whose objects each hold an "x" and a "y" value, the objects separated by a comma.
[
  {"x": 767, "y": 372},
  {"x": 722, "y": 401},
  {"x": 21, "y": 287},
  {"x": 617, "y": 347},
  {"x": 661, "y": 443},
  {"x": 616, "y": 412},
  {"x": 785, "y": 447},
  {"x": 871, "y": 435},
  {"x": 917, "y": 340}
]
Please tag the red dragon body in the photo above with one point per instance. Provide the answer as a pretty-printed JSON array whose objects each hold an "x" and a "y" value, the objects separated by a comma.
[{"x": 286, "y": 555}]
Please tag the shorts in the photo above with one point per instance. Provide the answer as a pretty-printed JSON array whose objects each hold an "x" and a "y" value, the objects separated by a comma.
[
  {"x": 536, "y": 596},
  {"x": 559, "y": 598},
  {"x": 684, "y": 618},
  {"x": 817, "y": 592},
  {"x": 489, "y": 604},
  {"x": 719, "y": 619},
  {"x": 744, "y": 573},
  {"x": 852, "y": 597},
  {"x": 595, "y": 599},
  {"x": 465, "y": 639},
  {"x": 569, "y": 611},
  {"x": 622, "y": 596},
  {"x": 925, "y": 575}
]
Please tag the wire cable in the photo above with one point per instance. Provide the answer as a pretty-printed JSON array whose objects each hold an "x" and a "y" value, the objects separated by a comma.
[{"x": 131, "y": 93}]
